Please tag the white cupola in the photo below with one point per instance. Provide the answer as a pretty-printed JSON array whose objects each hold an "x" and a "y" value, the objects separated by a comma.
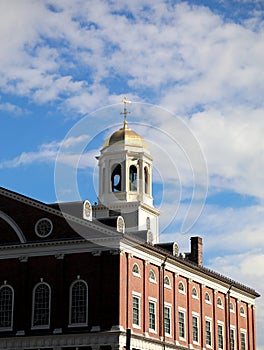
[{"x": 125, "y": 180}]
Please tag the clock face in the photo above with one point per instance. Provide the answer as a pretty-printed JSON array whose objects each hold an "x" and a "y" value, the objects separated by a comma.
[{"x": 43, "y": 227}]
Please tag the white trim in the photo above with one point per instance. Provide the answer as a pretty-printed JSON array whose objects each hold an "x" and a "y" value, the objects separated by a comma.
[
  {"x": 70, "y": 304},
  {"x": 197, "y": 316},
  {"x": 137, "y": 274},
  {"x": 153, "y": 301},
  {"x": 14, "y": 226},
  {"x": 183, "y": 311},
  {"x": 138, "y": 296},
  {"x": 10, "y": 328},
  {"x": 47, "y": 326},
  {"x": 50, "y": 230},
  {"x": 169, "y": 306}
]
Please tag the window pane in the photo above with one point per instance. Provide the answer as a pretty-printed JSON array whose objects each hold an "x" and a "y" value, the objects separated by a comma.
[
  {"x": 195, "y": 328},
  {"x": 167, "y": 321},
  {"x": 181, "y": 325},
  {"x": 208, "y": 333},
  {"x": 220, "y": 337},
  {"x": 79, "y": 303},
  {"x": 243, "y": 341},
  {"x": 232, "y": 339},
  {"x": 41, "y": 305},
  {"x": 152, "y": 316},
  {"x": 6, "y": 306},
  {"x": 136, "y": 311}
]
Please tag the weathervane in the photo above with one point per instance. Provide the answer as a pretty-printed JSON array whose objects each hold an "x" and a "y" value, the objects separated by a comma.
[{"x": 125, "y": 111}]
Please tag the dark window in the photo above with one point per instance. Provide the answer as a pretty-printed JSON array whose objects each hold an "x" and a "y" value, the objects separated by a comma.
[
  {"x": 208, "y": 333},
  {"x": 136, "y": 311},
  {"x": 195, "y": 329},
  {"x": 146, "y": 177},
  {"x": 116, "y": 179},
  {"x": 6, "y": 306},
  {"x": 41, "y": 305},
  {"x": 167, "y": 320},
  {"x": 78, "y": 303},
  {"x": 152, "y": 316},
  {"x": 243, "y": 340},
  {"x": 220, "y": 337},
  {"x": 181, "y": 324},
  {"x": 133, "y": 178},
  {"x": 232, "y": 339}
]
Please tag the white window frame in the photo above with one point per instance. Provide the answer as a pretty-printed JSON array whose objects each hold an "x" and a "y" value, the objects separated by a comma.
[
  {"x": 244, "y": 332},
  {"x": 168, "y": 306},
  {"x": 153, "y": 280},
  {"x": 209, "y": 320},
  {"x": 70, "y": 305},
  {"x": 169, "y": 284},
  {"x": 197, "y": 316},
  {"x": 138, "y": 296},
  {"x": 154, "y": 302},
  {"x": 181, "y": 291},
  {"x": 137, "y": 274},
  {"x": 232, "y": 328},
  {"x": 208, "y": 301},
  {"x": 46, "y": 326},
  {"x": 183, "y": 311},
  {"x": 221, "y": 324},
  {"x": 9, "y": 328},
  {"x": 243, "y": 313},
  {"x": 221, "y": 306},
  {"x": 232, "y": 309},
  {"x": 195, "y": 293}
]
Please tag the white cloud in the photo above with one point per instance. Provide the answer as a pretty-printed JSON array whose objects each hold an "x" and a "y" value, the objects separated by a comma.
[{"x": 48, "y": 153}]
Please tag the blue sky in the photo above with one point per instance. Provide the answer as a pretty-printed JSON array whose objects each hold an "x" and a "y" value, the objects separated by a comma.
[{"x": 194, "y": 72}]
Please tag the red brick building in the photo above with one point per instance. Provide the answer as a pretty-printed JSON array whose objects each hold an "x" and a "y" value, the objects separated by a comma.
[{"x": 75, "y": 276}]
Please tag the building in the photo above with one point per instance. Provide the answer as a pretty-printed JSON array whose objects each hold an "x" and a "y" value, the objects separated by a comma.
[{"x": 79, "y": 277}]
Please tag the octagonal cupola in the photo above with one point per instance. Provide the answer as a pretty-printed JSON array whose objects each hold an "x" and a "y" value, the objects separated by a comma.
[{"x": 125, "y": 174}]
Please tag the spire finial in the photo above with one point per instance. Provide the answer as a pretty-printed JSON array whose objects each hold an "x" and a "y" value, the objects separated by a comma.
[{"x": 125, "y": 111}]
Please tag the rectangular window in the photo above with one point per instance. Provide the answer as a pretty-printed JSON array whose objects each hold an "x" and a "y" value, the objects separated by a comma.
[
  {"x": 195, "y": 329},
  {"x": 208, "y": 331},
  {"x": 152, "y": 315},
  {"x": 232, "y": 339},
  {"x": 220, "y": 336},
  {"x": 181, "y": 324},
  {"x": 167, "y": 320},
  {"x": 243, "y": 340},
  {"x": 136, "y": 310}
]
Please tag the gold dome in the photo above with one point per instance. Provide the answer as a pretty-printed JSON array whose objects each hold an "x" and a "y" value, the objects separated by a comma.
[{"x": 127, "y": 136}]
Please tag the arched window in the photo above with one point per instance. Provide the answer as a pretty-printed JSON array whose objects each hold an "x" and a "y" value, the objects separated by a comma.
[
  {"x": 194, "y": 293},
  {"x": 242, "y": 311},
  {"x": 133, "y": 178},
  {"x": 152, "y": 276},
  {"x": 146, "y": 178},
  {"x": 231, "y": 306},
  {"x": 136, "y": 270},
  {"x": 116, "y": 178},
  {"x": 219, "y": 302},
  {"x": 181, "y": 287},
  {"x": 167, "y": 281},
  {"x": 79, "y": 303},
  {"x": 207, "y": 297},
  {"x": 6, "y": 307},
  {"x": 41, "y": 305}
]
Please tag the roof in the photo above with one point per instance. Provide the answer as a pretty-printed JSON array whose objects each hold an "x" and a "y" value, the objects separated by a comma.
[{"x": 126, "y": 136}]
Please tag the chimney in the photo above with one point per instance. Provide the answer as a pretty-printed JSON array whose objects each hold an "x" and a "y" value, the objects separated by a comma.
[{"x": 197, "y": 250}]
